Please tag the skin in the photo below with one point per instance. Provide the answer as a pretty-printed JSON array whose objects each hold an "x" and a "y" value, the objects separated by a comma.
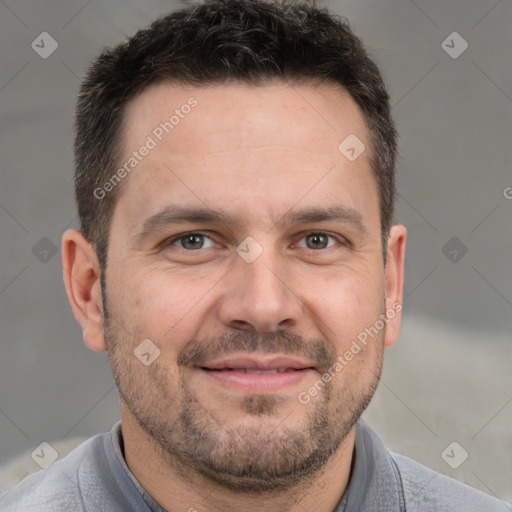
[{"x": 258, "y": 154}]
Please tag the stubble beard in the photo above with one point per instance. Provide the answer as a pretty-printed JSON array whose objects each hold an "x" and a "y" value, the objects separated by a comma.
[{"x": 264, "y": 458}]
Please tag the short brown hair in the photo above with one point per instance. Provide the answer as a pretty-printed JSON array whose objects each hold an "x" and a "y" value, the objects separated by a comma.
[{"x": 214, "y": 42}]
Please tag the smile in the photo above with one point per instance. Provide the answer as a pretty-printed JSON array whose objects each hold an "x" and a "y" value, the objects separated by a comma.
[{"x": 256, "y": 374}]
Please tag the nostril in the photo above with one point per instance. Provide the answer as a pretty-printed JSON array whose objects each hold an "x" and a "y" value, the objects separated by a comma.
[{"x": 241, "y": 325}]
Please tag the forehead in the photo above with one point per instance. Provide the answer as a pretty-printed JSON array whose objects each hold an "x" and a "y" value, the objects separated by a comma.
[
  {"x": 255, "y": 148},
  {"x": 310, "y": 112}
]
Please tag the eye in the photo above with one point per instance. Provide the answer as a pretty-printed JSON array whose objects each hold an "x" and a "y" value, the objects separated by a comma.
[
  {"x": 193, "y": 241},
  {"x": 318, "y": 240}
]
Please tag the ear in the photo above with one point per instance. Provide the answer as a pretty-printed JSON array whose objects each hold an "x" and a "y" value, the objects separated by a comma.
[
  {"x": 82, "y": 282},
  {"x": 394, "y": 277}
]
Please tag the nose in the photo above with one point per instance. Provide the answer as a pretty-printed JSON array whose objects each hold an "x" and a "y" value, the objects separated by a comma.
[{"x": 259, "y": 296}]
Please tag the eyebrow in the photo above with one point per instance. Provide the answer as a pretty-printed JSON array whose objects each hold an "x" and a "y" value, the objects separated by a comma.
[
  {"x": 174, "y": 214},
  {"x": 340, "y": 214},
  {"x": 179, "y": 215}
]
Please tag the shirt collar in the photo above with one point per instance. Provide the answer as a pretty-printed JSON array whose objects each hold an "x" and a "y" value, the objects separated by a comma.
[
  {"x": 373, "y": 485},
  {"x": 118, "y": 447}
]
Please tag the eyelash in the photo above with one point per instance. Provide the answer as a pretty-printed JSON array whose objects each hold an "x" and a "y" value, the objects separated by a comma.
[{"x": 171, "y": 241}]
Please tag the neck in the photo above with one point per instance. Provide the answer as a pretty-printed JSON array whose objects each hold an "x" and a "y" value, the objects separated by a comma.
[{"x": 176, "y": 487}]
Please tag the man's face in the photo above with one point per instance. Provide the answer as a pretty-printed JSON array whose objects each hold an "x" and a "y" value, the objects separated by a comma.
[{"x": 261, "y": 253}]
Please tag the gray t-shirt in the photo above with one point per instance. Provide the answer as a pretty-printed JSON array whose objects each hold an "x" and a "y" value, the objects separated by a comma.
[{"x": 95, "y": 478}]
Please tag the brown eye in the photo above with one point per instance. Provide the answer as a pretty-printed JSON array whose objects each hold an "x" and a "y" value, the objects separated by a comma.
[{"x": 317, "y": 241}]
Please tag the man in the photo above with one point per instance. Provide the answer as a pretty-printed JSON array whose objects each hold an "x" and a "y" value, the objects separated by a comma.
[{"x": 237, "y": 261}]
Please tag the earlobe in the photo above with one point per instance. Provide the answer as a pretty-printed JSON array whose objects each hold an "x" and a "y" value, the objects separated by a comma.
[
  {"x": 394, "y": 277},
  {"x": 81, "y": 274}
]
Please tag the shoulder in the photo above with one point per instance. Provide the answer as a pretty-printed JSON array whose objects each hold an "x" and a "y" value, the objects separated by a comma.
[
  {"x": 58, "y": 487},
  {"x": 426, "y": 490}
]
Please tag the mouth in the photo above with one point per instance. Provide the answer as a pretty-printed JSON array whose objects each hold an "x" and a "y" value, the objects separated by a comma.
[
  {"x": 248, "y": 370},
  {"x": 257, "y": 374}
]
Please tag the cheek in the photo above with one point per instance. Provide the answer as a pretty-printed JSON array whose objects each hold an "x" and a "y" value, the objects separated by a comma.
[
  {"x": 345, "y": 304},
  {"x": 160, "y": 304}
]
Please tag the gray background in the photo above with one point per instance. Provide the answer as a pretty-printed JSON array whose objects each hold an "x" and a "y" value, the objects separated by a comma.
[{"x": 447, "y": 379}]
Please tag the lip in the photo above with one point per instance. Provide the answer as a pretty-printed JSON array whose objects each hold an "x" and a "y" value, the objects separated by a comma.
[
  {"x": 257, "y": 363},
  {"x": 257, "y": 374}
]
